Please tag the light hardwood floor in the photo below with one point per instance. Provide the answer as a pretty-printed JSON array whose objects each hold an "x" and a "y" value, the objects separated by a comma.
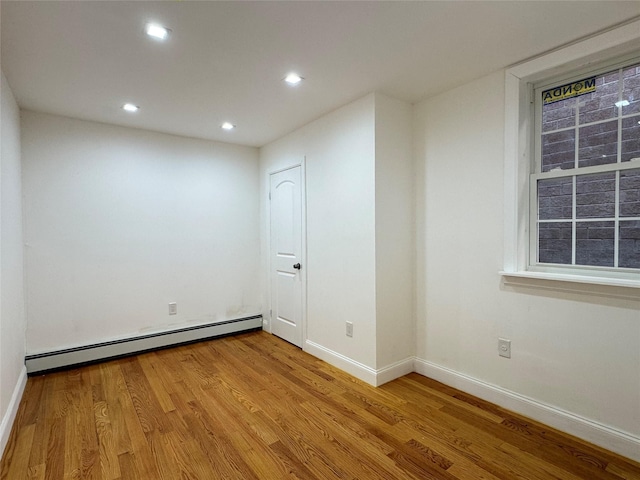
[{"x": 255, "y": 407}]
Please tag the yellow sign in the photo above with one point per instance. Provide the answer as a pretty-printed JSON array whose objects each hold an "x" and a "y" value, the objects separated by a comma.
[{"x": 569, "y": 90}]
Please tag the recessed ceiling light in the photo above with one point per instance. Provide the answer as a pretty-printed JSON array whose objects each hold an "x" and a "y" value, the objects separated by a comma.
[
  {"x": 227, "y": 126},
  {"x": 157, "y": 31},
  {"x": 622, "y": 103},
  {"x": 293, "y": 78},
  {"x": 130, "y": 107}
]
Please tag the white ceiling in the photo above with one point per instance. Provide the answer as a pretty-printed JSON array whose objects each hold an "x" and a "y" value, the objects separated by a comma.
[{"x": 225, "y": 60}]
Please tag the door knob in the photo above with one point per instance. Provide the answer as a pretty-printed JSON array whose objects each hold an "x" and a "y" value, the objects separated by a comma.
[{"x": 297, "y": 266}]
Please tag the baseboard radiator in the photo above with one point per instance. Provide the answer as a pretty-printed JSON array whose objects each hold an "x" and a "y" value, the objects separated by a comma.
[{"x": 87, "y": 354}]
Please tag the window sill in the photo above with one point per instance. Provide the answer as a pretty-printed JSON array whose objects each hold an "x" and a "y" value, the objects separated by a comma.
[{"x": 622, "y": 288}]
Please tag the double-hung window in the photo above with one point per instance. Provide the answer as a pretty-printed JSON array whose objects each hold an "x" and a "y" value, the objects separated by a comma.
[
  {"x": 572, "y": 163},
  {"x": 585, "y": 188}
]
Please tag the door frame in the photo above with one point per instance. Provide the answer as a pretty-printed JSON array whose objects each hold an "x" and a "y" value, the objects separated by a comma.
[{"x": 303, "y": 238}]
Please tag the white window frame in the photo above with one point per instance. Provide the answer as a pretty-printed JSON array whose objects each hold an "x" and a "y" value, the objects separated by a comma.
[{"x": 520, "y": 158}]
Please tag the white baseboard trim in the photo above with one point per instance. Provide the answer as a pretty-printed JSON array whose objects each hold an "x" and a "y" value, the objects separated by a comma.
[
  {"x": 607, "y": 437},
  {"x": 366, "y": 374},
  {"x": 395, "y": 370},
  {"x": 12, "y": 410},
  {"x": 357, "y": 369},
  {"x": 59, "y": 359}
]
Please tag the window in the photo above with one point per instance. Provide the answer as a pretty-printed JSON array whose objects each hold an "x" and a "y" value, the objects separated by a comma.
[
  {"x": 572, "y": 164},
  {"x": 586, "y": 181}
]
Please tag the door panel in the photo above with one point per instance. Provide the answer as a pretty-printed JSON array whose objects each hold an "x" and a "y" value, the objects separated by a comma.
[
  {"x": 286, "y": 289},
  {"x": 286, "y": 253}
]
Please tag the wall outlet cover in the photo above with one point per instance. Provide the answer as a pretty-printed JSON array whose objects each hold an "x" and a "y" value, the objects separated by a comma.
[{"x": 504, "y": 347}]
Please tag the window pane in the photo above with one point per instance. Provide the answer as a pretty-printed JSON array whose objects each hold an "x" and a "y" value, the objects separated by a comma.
[
  {"x": 554, "y": 243},
  {"x": 629, "y": 254},
  {"x": 555, "y": 198},
  {"x": 600, "y": 105},
  {"x": 559, "y": 115},
  {"x": 596, "y": 195},
  {"x": 630, "y": 138},
  {"x": 594, "y": 243},
  {"x": 598, "y": 144},
  {"x": 558, "y": 150},
  {"x": 631, "y": 89},
  {"x": 630, "y": 193}
]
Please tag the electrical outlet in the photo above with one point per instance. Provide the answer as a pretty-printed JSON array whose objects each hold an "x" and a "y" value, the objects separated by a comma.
[
  {"x": 349, "y": 329},
  {"x": 504, "y": 347},
  {"x": 173, "y": 308}
]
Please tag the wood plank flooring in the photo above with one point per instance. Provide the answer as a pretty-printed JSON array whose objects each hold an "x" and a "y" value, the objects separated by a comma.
[{"x": 255, "y": 407}]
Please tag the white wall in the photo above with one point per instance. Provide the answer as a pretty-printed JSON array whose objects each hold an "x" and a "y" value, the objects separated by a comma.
[
  {"x": 119, "y": 222},
  {"x": 395, "y": 264},
  {"x": 575, "y": 352},
  {"x": 360, "y": 243},
  {"x": 339, "y": 150},
  {"x": 12, "y": 318}
]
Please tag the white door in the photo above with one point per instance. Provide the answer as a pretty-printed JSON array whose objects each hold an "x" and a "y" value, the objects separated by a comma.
[{"x": 286, "y": 255}]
